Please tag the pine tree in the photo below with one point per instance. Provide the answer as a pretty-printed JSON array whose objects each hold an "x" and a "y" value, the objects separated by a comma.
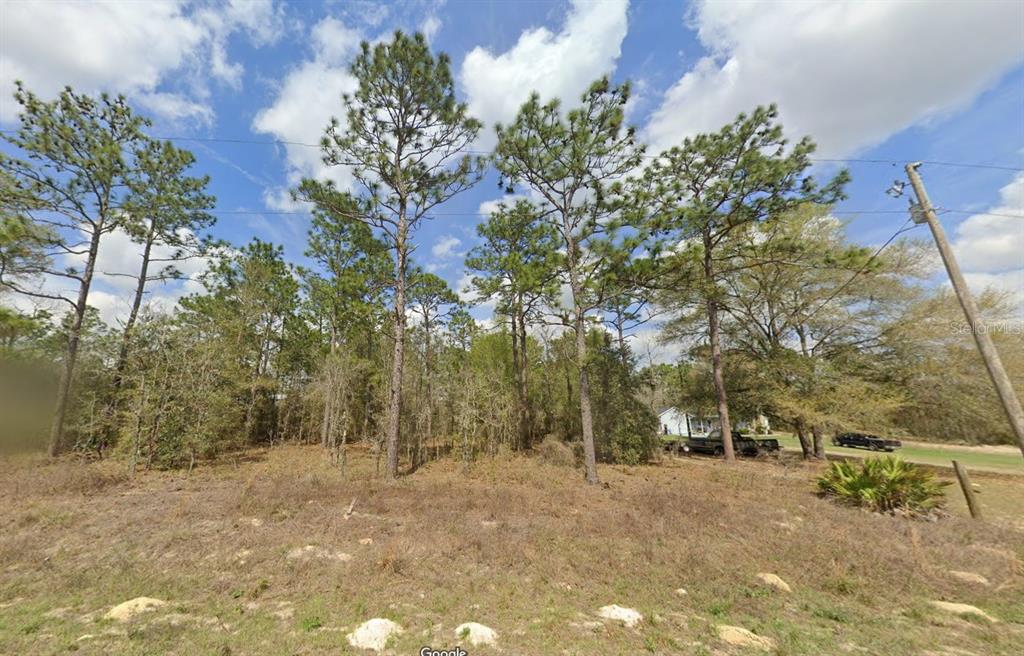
[
  {"x": 517, "y": 265},
  {"x": 574, "y": 162},
  {"x": 73, "y": 181},
  {"x": 168, "y": 209},
  {"x": 702, "y": 193},
  {"x": 404, "y": 139}
]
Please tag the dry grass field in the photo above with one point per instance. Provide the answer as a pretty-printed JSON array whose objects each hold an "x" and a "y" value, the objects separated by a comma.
[{"x": 514, "y": 543}]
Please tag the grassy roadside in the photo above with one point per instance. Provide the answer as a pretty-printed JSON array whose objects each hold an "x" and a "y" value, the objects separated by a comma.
[
  {"x": 511, "y": 542},
  {"x": 937, "y": 456}
]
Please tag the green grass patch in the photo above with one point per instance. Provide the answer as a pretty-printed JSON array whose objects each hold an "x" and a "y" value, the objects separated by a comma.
[{"x": 936, "y": 456}]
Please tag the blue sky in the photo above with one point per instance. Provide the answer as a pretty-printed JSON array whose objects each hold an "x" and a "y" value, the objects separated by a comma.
[{"x": 893, "y": 81}]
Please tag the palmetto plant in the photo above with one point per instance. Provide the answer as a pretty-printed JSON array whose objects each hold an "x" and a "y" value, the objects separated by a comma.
[{"x": 884, "y": 485}]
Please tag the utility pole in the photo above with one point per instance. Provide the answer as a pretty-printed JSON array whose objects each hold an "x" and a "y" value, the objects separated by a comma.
[{"x": 981, "y": 337}]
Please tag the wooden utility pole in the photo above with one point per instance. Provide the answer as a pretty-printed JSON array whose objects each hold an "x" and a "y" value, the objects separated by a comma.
[
  {"x": 965, "y": 485},
  {"x": 981, "y": 337}
]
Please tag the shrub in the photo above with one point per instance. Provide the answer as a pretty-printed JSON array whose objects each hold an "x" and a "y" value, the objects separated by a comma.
[
  {"x": 632, "y": 434},
  {"x": 556, "y": 452},
  {"x": 885, "y": 484},
  {"x": 633, "y": 443}
]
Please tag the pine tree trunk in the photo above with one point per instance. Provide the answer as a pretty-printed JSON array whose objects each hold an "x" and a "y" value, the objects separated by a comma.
[
  {"x": 519, "y": 358},
  {"x": 129, "y": 325},
  {"x": 580, "y": 325},
  {"x": 714, "y": 336},
  {"x": 524, "y": 388},
  {"x": 516, "y": 364},
  {"x": 428, "y": 351},
  {"x": 325, "y": 425},
  {"x": 567, "y": 418},
  {"x": 64, "y": 388},
  {"x": 250, "y": 411},
  {"x": 589, "y": 452},
  {"x": 126, "y": 336},
  {"x": 398, "y": 360},
  {"x": 74, "y": 336},
  {"x": 137, "y": 437},
  {"x": 622, "y": 343}
]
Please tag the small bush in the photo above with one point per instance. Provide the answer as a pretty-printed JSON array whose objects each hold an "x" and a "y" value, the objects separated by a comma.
[
  {"x": 79, "y": 478},
  {"x": 556, "y": 452},
  {"x": 634, "y": 439},
  {"x": 885, "y": 484}
]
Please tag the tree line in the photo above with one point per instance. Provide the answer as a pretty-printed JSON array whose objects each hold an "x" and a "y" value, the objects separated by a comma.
[{"x": 727, "y": 236}]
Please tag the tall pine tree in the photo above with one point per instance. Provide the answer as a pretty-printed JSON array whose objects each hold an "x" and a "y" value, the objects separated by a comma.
[
  {"x": 404, "y": 138},
  {"x": 573, "y": 161}
]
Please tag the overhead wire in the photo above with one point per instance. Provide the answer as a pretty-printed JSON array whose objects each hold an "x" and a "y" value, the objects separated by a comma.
[
  {"x": 856, "y": 160},
  {"x": 874, "y": 256},
  {"x": 893, "y": 162}
]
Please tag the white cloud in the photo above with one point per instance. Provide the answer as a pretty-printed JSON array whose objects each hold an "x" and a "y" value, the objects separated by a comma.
[
  {"x": 126, "y": 47},
  {"x": 118, "y": 255},
  {"x": 29, "y": 304},
  {"x": 259, "y": 18},
  {"x": 110, "y": 293},
  {"x": 333, "y": 41},
  {"x": 1010, "y": 282},
  {"x": 445, "y": 246},
  {"x": 990, "y": 249},
  {"x": 558, "y": 65},
  {"x": 175, "y": 107},
  {"x": 468, "y": 294},
  {"x": 990, "y": 243},
  {"x": 430, "y": 27},
  {"x": 263, "y": 20},
  {"x": 464, "y": 288},
  {"x": 280, "y": 199},
  {"x": 648, "y": 347},
  {"x": 309, "y": 96},
  {"x": 849, "y": 74},
  {"x": 118, "y": 259},
  {"x": 368, "y": 13},
  {"x": 112, "y": 307},
  {"x": 488, "y": 207}
]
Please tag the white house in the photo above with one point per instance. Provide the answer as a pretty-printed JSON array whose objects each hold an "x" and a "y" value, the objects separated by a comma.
[{"x": 676, "y": 422}]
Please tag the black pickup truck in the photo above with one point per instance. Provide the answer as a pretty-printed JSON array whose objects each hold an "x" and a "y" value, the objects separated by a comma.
[
  {"x": 865, "y": 441},
  {"x": 743, "y": 445}
]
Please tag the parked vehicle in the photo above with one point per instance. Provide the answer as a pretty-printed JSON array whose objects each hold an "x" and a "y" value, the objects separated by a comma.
[
  {"x": 743, "y": 445},
  {"x": 865, "y": 441}
]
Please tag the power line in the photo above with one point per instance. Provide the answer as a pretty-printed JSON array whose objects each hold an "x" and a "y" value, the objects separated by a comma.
[
  {"x": 853, "y": 160},
  {"x": 1003, "y": 214},
  {"x": 432, "y": 214},
  {"x": 273, "y": 142},
  {"x": 891, "y": 162},
  {"x": 896, "y": 162},
  {"x": 855, "y": 213},
  {"x": 260, "y": 142},
  {"x": 862, "y": 269}
]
